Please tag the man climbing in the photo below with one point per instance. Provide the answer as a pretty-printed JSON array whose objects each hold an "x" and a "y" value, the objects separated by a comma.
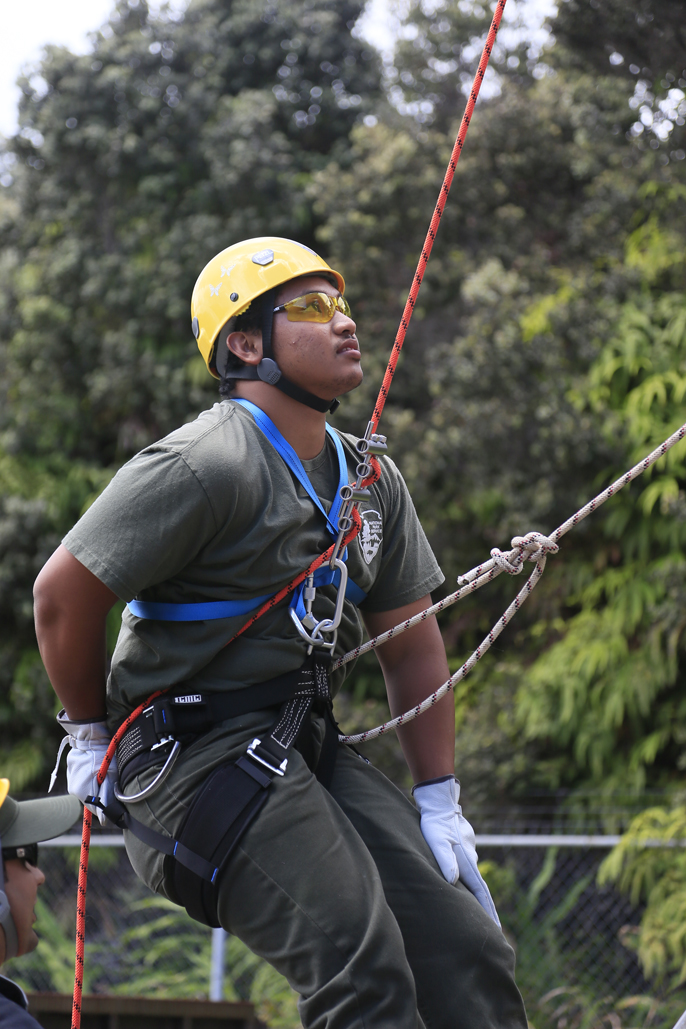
[{"x": 238, "y": 801}]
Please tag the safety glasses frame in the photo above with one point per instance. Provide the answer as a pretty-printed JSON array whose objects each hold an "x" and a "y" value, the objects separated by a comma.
[{"x": 304, "y": 308}]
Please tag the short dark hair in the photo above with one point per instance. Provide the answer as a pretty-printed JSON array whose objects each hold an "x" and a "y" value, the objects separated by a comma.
[{"x": 250, "y": 321}]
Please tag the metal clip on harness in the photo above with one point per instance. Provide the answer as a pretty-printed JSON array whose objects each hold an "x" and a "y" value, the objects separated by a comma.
[
  {"x": 327, "y": 625},
  {"x": 309, "y": 628},
  {"x": 134, "y": 798},
  {"x": 163, "y": 723},
  {"x": 279, "y": 769}
]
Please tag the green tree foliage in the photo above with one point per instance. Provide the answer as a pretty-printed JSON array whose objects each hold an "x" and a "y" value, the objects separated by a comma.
[
  {"x": 610, "y": 688},
  {"x": 649, "y": 35},
  {"x": 650, "y": 865}
]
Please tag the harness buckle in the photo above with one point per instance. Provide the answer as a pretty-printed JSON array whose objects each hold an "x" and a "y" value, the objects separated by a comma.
[
  {"x": 251, "y": 752},
  {"x": 161, "y": 743},
  {"x": 163, "y": 718}
]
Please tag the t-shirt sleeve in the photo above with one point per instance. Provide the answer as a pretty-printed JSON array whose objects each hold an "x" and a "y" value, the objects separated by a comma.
[
  {"x": 408, "y": 569},
  {"x": 148, "y": 524}
]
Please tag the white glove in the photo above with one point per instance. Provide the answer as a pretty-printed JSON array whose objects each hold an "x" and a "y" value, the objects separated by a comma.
[
  {"x": 89, "y": 742},
  {"x": 451, "y": 838}
]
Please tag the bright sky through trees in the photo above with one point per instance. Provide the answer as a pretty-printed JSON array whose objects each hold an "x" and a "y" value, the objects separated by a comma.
[{"x": 30, "y": 26}]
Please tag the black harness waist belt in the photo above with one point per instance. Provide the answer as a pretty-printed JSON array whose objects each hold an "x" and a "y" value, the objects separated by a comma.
[{"x": 186, "y": 713}]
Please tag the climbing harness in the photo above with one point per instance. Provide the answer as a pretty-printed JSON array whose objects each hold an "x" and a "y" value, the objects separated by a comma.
[
  {"x": 210, "y": 831},
  {"x": 311, "y": 630}
]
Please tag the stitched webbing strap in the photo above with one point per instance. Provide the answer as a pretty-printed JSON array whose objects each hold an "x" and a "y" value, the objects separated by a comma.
[{"x": 286, "y": 451}]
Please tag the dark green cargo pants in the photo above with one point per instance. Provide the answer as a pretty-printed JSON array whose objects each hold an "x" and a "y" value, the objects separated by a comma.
[{"x": 339, "y": 891}]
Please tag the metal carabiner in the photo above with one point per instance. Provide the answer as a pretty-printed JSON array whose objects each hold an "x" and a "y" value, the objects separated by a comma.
[
  {"x": 327, "y": 625},
  {"x": 134, "y": 798}
]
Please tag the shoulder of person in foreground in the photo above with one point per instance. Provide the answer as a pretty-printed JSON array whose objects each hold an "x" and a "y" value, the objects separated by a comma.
[{"x": 13, "y": 1007}]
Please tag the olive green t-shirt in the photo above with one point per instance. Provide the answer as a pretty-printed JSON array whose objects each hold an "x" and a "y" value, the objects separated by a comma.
[{"x": 212, "y": 512}]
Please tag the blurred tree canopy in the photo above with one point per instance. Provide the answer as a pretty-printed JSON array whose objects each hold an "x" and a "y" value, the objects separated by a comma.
[{"x": 547, "y": 353}]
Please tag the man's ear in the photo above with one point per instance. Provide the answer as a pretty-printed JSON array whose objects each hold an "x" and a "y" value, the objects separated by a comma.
[{"x": 246, "y": 346}]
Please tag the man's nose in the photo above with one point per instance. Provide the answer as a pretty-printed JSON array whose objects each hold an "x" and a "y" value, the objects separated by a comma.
[{"x": 344, "y": 323}]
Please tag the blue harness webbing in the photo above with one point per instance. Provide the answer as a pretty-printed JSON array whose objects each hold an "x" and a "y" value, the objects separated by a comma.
[{"x": 324, "y": 576}]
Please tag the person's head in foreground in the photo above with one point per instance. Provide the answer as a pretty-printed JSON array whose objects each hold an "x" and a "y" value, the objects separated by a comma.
[{"x": 23, "y": 825}]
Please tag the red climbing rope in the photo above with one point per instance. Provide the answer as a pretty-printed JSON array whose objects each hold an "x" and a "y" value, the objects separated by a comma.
[
  {"x": 83, "y": 865},
  {"x": 357, "y": 522},
  {"x": 81, "y": 918},
  {"x": 438, "y": 213}
]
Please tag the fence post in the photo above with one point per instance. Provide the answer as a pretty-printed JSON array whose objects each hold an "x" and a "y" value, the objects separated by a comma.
[{"x": 217, "y": 964}]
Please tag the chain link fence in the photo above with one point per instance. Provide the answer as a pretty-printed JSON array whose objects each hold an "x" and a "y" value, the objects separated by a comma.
[
  {"x": 573, "y": 939},
  {"x": 576, "y": 965}
]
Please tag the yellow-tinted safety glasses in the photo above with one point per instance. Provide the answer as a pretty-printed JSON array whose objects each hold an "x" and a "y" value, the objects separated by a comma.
[{"x": 314, "y": 307}]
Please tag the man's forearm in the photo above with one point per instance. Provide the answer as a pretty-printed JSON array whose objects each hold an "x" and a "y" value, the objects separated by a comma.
[
  {"x": 414, "y": 665},
  {"x": 428, "y": 742},
  {"x": 71, "y": 607}
]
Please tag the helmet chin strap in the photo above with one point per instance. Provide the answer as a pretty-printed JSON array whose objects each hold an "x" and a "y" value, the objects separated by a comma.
[
  {"x": 268, "y": 370},
  {"x": 6, "y": 920}
]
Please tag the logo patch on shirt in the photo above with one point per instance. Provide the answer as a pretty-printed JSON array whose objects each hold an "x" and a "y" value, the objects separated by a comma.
[{"x": 371, "y": 535}]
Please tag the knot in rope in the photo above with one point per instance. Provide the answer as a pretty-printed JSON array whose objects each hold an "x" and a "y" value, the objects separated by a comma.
[
  {"x": 531, "y": 547},
  {"x": 510, "y": 562}
]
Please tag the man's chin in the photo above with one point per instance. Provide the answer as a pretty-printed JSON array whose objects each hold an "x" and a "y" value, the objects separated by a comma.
[{"x": 350, "y": 383}]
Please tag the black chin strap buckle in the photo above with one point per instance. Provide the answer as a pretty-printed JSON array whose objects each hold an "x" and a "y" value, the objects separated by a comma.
[{"x": 269, "y": 371}]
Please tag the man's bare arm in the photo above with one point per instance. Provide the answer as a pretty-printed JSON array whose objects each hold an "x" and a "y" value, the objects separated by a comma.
[
  {"x": 414, "y": 665},
  {"x": 70, "y": 608}
]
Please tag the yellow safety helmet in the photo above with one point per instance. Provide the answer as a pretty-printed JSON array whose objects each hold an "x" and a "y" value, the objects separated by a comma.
[{"x": 238, "y": 275}]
